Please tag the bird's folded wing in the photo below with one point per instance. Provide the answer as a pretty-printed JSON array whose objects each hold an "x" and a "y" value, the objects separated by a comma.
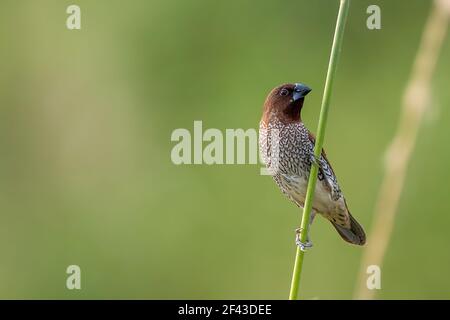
[{"x": 327, "y": 172}]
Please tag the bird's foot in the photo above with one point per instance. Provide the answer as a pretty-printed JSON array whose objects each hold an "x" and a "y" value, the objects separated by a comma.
[{"x": 299, "y": 243}]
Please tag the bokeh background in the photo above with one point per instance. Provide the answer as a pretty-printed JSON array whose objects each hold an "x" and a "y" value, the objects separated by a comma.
[{"x": 85, "y": 171}]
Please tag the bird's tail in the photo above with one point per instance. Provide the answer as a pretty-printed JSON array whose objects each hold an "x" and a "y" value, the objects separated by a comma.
[{"x": 354, "y": 235}]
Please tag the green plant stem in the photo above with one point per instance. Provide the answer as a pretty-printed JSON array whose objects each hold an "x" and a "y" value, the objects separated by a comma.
[{"x": 334, "y": 56}]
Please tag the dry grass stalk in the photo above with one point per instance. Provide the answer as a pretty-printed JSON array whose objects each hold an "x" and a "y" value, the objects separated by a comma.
[{"x": 416, "y": 101}]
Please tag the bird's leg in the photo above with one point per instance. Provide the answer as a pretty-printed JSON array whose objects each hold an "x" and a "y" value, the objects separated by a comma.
[
  {"x": 299, "y": 243},
  {"x": 298, "y": 231},
  {"x": 303, "y": 245}
]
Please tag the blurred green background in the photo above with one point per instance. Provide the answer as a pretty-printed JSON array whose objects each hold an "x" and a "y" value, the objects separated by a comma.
[{"x": 85, "y": 171}]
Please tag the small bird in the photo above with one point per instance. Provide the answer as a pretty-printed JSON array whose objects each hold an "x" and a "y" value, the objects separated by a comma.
[{"x": 287, "y": 149}]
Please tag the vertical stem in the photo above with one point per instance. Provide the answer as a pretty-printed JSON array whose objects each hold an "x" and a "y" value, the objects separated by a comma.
[{"x": 334, "y": 56}]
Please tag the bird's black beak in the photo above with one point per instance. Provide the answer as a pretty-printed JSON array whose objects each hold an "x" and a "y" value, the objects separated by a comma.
[{"x": 300, "y": 91}]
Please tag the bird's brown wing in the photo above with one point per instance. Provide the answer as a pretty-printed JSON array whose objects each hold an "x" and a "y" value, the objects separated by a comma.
[
  {"x": 327, "y": 172},
  {"x": 351, "y": 231}
]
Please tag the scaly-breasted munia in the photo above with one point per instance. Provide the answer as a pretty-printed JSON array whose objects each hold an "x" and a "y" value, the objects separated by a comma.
[{"x": 287, "y": 148}]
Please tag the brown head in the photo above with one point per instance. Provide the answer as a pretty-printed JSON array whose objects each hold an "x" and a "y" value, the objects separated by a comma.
[{"x": 285, "y": 102}]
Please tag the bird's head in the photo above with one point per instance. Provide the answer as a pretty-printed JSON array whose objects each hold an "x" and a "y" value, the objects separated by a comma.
[{"x": 285, "y": 102}]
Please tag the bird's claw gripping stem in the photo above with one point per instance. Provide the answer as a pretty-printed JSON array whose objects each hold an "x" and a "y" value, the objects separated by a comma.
[{"x": 299, "y": 243}]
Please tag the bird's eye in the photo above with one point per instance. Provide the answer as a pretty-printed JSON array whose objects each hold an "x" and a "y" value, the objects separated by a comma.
[{"x": 284, "y": 92}]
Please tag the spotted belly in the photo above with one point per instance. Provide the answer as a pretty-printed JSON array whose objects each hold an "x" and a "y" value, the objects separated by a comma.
[{"x": 294, "y": 187}]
